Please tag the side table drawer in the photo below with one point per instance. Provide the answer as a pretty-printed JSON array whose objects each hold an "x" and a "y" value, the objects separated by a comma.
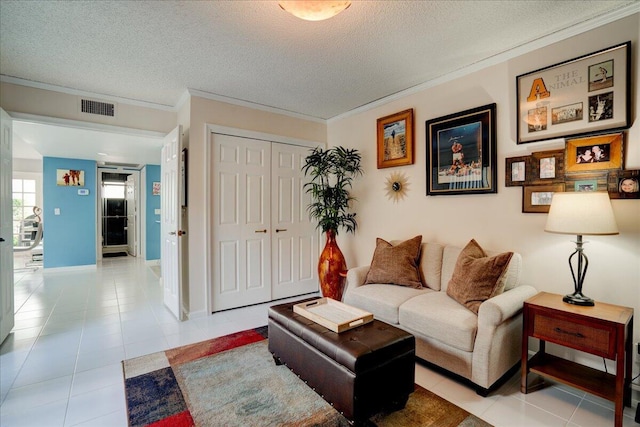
[{"x": 594, "y": 339}]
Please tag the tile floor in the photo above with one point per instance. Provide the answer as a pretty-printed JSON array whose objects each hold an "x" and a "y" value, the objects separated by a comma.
[{"x": 61, "y": 366}]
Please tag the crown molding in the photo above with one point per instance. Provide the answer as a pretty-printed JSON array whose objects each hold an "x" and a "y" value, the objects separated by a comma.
[
  {"x": 77, "y": 124},
  {"x": 76, "y": 92},
  {"x": 255, "y": 106}
]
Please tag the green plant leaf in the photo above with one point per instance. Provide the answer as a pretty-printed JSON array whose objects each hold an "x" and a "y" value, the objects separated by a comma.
[{"x": 332, "y": 172}]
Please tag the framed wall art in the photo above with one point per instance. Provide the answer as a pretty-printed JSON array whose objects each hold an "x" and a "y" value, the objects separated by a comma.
[
  {"x": 516, "y": 171},
  {"x": 586, "y": 181},
  {"x": 546, "y": 167},
  {"x": 395, "y": 139},
  {"x": 537, "y": 198},
  {"x": 70, "y": 177},
  {"x": 624, "y": 184},
  {"x": 577, "y": 97},
  {"x": 594, "y": 153},
  {"x": 461, "y": 152}
]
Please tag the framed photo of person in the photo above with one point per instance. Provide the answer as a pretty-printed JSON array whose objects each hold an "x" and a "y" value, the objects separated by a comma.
[
  {"x": 70, "y": 177},
  {"x": 395, "y": 139},
  {"x": 624, "y": 184},
  {"x": 599, "y": 152},
  {"x": 580, "y": 96},
  {"x": 461, "y": 152}
]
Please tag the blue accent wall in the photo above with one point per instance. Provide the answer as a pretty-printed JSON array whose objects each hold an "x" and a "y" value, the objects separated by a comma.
[
  {"x": 152, "y": 220},
  {"x": 69, "y": 238}
]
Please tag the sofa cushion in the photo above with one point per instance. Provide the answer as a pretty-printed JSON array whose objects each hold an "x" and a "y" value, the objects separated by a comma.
[
  {"x": 437, "y": 316},
  {"x": 382, "y": 300},
  {"x": 431, "y": 264},
  {"x": 476, "y": 276},
  {"x": 450, "y": 255},
  {"x": 396, "y": 265}
]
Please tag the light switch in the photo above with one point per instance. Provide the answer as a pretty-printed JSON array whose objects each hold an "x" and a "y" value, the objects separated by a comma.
[
  {"x": 56, "y": 211},
  {"x": 156, "y": 211}
]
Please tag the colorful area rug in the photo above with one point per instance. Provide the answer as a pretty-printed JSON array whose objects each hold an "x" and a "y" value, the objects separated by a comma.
[{"x": 233, "y": 381}]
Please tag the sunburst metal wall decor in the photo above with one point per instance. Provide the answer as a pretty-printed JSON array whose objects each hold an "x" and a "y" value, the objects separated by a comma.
[{"x": 396, "y": 186}]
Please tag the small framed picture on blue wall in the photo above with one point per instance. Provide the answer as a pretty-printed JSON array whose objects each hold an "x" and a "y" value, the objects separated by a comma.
[{"x": 70, "y": 177}]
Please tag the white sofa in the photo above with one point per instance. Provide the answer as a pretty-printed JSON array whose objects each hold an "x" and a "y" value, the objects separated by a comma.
[{"x": 481, "y": 348}]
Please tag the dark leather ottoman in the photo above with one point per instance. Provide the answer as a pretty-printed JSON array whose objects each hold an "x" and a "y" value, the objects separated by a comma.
[{"x": 360, "y": 371}]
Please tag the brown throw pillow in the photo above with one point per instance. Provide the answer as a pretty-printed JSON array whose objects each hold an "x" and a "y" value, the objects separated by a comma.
[
  {"x": 476, "y": 277},
  {"x": 396, "y": 265}
]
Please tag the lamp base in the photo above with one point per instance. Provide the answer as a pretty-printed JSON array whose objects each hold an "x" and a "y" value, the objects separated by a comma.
[{"x": 577, "y": 298}]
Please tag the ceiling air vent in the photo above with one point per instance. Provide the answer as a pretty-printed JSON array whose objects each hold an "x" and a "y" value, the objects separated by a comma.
[{"x": 97, "y": 107}]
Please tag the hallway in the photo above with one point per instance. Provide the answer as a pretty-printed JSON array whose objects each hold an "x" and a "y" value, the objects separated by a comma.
[{"x": 61, "y": 366}]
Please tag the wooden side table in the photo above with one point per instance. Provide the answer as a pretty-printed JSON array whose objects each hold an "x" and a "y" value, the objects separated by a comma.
[{"x": 604, "y": 330}]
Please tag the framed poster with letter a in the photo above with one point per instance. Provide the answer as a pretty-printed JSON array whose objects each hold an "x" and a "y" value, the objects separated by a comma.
[{"x": 581, "y": 96}]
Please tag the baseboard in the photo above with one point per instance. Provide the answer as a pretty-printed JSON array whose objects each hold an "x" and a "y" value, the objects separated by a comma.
[{"x": 194, "y": 314}]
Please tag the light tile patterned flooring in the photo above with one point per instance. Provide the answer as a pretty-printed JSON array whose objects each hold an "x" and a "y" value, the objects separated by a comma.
[{"x": 61, "y": 366}]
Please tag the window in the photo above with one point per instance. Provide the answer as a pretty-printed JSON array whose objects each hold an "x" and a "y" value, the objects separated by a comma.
[{"x": 24, "y": 200}]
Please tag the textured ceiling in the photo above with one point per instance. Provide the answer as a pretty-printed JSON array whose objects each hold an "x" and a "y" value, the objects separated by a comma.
[{"x": 253, "y": 51}]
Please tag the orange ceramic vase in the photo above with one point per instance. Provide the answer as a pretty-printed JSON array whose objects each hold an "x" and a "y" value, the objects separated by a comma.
[{"x": 332, "y": 268}]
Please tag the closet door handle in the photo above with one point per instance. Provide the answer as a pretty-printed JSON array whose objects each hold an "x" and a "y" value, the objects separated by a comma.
[
  {"x": 261, "y": 231},
  {"x": 280, "y": 229}
]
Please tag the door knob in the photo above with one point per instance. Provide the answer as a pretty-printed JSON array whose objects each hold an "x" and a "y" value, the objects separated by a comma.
[
  {"x": 181, "y": 232},
  {"x": 1, "y": 240}
]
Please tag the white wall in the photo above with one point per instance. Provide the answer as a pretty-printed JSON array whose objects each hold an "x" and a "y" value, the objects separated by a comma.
[{"x": 496, "y": 220}]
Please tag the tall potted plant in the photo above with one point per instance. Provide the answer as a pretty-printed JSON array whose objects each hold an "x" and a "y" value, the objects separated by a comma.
[{"x": 332, "y": 172}]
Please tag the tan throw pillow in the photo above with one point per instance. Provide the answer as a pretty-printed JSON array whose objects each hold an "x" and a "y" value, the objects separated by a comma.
[
  {"x": 476, "y": 277},
  {"x": 396, "y": 265}
]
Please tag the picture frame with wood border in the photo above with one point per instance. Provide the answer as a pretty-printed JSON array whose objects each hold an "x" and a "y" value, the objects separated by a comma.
[
  {"x": 583, "y": 181},
  {"x": 537, "y": 198},
  {"x": 624, "y": 184},
  {"x": 579, "y": 153},
  {"x": 517, "y": 171},
  {"x": 395, "y": 139},
  {"x": 546, "y": 167}
]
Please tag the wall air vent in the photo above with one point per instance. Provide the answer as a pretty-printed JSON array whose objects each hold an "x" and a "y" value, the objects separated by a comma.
[{"x": 97, "y": 107}]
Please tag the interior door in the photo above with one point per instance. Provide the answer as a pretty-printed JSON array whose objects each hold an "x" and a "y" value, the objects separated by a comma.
[
  {"x": 294, "y": 239},
  {"x": 241, "y": 265},
  {"x": 132, "y": 207},
  {"x": 6, "y": 228},
  {"x": 171, "y": 222}
]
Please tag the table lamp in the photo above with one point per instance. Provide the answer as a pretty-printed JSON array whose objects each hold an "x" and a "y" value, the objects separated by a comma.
[{"x": 580, "y": 213}]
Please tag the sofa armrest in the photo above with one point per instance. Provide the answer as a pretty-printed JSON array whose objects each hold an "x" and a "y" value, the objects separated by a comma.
[
  {"x": 496, "y": 310},
  {"x": 498, "y": 344},
  {"x": 356, "y": 277}
]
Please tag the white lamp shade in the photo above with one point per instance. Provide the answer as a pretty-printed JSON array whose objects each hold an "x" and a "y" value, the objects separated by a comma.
[
  {"x": 581, "y": 213},
  {"x": 314, "y": 10}
]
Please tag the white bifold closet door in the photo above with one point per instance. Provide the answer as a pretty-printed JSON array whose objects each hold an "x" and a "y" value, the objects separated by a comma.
[
  {"x": 294, "y": 240},
  {"x": 263, "y": 244}
]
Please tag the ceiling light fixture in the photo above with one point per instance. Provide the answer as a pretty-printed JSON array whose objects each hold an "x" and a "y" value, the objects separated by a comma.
[{"x": 314, "y": 10}]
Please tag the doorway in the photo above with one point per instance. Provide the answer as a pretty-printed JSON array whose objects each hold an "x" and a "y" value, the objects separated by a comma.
[{"x": 119, "y": 209}]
